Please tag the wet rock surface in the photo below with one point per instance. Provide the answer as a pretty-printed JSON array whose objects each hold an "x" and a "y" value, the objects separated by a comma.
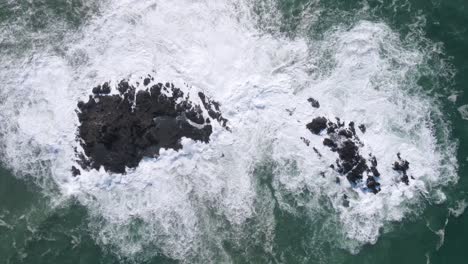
[
  {"x": 343, "y": 140},
  {"x": 117, "y": 130},
  {"x": 402, "y": 167}
]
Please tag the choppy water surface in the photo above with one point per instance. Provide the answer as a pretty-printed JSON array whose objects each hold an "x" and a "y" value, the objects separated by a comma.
[{"x": 257, "y": 194}]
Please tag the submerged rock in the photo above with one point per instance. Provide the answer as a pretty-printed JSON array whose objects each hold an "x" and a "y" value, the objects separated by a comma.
[
  {"x": 345, "y": 202},
  {"x": 117, "y": 130}
]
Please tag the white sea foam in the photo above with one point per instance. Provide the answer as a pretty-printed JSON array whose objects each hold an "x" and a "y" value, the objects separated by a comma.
[
  {"x": 463, "y": 111},
  {"x": 176, "y": 204},
  {"x": 365, "y": 87},
  {"x": 459, "y": 208},
  {"x": 453, "y": 97},
  {"x": 440, "y": 233}
]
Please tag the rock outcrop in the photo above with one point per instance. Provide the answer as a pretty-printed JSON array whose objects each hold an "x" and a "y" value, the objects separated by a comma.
[
  {"x": 117, "y": 130},
  {"x": 344, "y": 141},
  {"x": 402, "y": 167}
]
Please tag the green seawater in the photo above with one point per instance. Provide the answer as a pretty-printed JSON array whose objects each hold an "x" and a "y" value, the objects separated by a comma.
[{"x": 35, "y": 230}]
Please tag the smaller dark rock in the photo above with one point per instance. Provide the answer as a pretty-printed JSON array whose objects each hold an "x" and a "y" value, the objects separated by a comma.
[
  {"x": 405, "y": 179},
  {"x": 373, "y": 167},
  {"x": 75, "y": 171},
  {"x": 313, "y": 102},
  {"x": 317, "y": 125},
  {"x": 146, "y": 81},
  {"x": 351, "y": 128},
  {"x": 372, "y": 184},
  {"x": 362, "y": 127},
  {"x": 402, "y": 166}
]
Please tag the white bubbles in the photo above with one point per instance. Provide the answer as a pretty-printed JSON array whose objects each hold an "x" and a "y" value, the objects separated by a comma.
[
  {"x": 459, "y": 208},
  {"x": 463, "y": 110},
  {"x": 185, "y": 204}
]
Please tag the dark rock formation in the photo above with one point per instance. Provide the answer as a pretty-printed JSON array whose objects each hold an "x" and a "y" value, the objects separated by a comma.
[
  {"x": 350, "y": 163},
  {"x": 345, "y": 142},
  {"x": 117, "y": 130},
  {"x": 402, "y": 167}
]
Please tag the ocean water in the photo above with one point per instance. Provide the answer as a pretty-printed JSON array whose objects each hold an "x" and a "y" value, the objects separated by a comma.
[{"x": 256, "y": 194}]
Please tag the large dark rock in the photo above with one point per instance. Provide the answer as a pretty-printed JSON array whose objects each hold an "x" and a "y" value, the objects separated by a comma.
[{"x": 117, "y": 130}]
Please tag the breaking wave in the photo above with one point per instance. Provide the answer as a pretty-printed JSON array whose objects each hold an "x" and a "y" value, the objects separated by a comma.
[{"x": 206, "y": 200}]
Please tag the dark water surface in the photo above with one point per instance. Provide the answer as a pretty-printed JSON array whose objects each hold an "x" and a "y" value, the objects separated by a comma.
[{"x": 32, "y": 230}]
